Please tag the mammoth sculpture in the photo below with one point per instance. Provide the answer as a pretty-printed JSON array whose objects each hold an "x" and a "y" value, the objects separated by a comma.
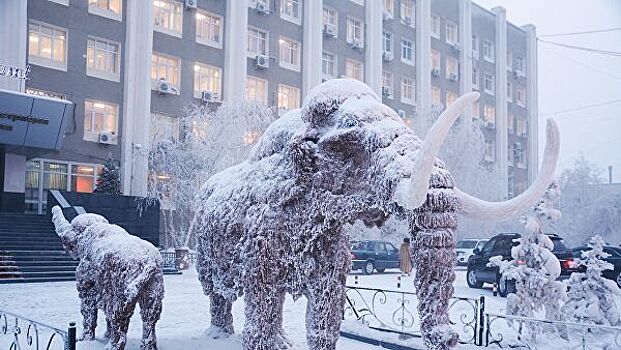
[{"x": 274, "y": 224}]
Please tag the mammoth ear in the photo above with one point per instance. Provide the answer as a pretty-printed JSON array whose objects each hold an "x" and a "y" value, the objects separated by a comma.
[{"x": 304, "y": 153}]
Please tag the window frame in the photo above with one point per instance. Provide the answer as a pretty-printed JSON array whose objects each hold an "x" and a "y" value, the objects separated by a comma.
[
  {"x": 402, "y": 9},
  {"x": 435, "y": 30},
  {"x": 334, "y": 65},
  {"x": 403, "y": 87},
  {"x": 282, "y": 40},
  {"x": 290, "y": 17},
  {"x": 350, "y": 62},
  {"x": 490, "y": 45},
  {"x": 387, "y": 37},
  {"x": 200, "y": 23},
  {"x": 453, "y": 62},
  {"x": 351, "y": 30},
  {"x": 264, "y": 96},
  {"x": 476, "y": 42},
  {"x": 521, "y": 91},
  {"x": 100, "y": 11},
  {"x": 391, "y": 83},
  {"x": 492, "y": 90},
  {"x": 195, "y": 71},
  {"x": 391, "y": 9},
  {"x": 178, "y": 71},
  {"x": 449, "y": 39},
  {"x": 405, "y": 48},
  {"x": 332, "y": 14},
  {"x": 44, "y": 61},
  {"x": 159, "y": 28},
  {"x": 281, "y": 109},
  {"x": 91, "y": 135},
  {"x": 102, "y": 74},
  {"x": 476, "y": 79},
  {"x": 266, "y": 39}
]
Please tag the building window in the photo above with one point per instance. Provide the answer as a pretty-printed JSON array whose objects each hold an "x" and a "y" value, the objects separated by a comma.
[
  {"x": 488, "y": 84},
  {"x": 163, "y": 127},
  {"x": 355, "y": 32},
  {"x": 257, "y": 42},
  {"x": 490, "y": 151},
  {"x": 476, "y": 110},
  {"x": 407, "y": 51},
  {"x": 47, "y": 45},
  {"x": 407, "y": 12},
  {"x": 387, "y": 84},
  {"x": 209, "y": 29},
  {"x": 475, "y": 47},
  {"x": 475, "y": 79},
  {"x": 289, "y": 53},
  {"x": 436, "y": 57},
  {"x": 509, "y": 61},
  {"x": 102, "y": 59},
  {"x": 288, "y": 98},
  {"x": 436, "y": 96},
  {"x": 256, "y": 90},
  {"x": 509, "y": 92},
  {"x": 518, "y": 65},
  {"x": 168, "y": 16},
  {"x": 518, "y": 154},
  {"x": 520, "y": 96},
  {"x": 328, "y": 65},
  {"x": 291, "y": 10},
  {"x": 520, "y": 126},
  {"x": 389, "y": 7},
  {"x": 354, "y": 69},
  {"x": 165, "y": 68},
  {"x": 106, "y": 8},
  {"x": 510, "y": 128},
  {"x": 450, "y": 97},
  {"x": 407, "y": 90},
  {"x": 207, "y": 78},
  {"x": 489, "y": 116},
  {"x": 330, "y": 19},
  {"x": 452, "y": 68},
  {"x": 435, "y": 26},
  {"x": 387, "y": 42},
  {"x": 452, "y": 33},
  {"x": 99, "y": 117},
  {"x": 488, "y": 51}
]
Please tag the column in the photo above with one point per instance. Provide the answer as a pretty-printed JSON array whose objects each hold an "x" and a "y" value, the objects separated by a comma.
[
  {"x": 423, "y": 66},
  {"x": 531, "y": 102},
  {"x": 235, "y": 41},
  {"x": 137, "y": 99},
  {"x": 465, "y": 59},
  {"x": 501, "y": 98},
  {"x": 312, "y": 46},
  {"x": 373, "y": 51},
  {"x": 13, "y": 40}
]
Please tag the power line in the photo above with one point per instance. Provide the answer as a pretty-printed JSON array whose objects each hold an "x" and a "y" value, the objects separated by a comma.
[
  {"x": 581, "y": 48},
  {"x": 586, "y": 65},
  {"x": 580, "y": 33},
  {"x": 581, "y": 108}
]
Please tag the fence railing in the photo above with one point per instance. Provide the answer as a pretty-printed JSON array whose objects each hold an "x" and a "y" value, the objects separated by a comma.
[
  {"x": 531, "y": 333},
  {"x": 17, "y": 333},
  {"x": 395, "y": 311}
]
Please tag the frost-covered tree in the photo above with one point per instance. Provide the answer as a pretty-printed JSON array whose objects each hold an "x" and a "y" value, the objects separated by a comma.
[
  {"x": 185, "y": 152},
  {"x": 593, "y": 298},
  {"x": 534, "y": 267},
  {"x": 109, "y": 179}
]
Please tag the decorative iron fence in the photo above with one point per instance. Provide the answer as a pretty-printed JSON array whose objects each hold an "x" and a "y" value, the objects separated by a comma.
[
  {"x": 395, "y": 311},
  {"x": 169, "y": 260},
  {"x": 530, "y": 333},
  {"x": 19, "y": 333}
]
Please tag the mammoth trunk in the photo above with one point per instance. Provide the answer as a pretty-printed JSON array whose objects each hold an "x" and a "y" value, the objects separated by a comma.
[
  {"x": 433, "y": 250},
  {"x": 60, "y": 223}
]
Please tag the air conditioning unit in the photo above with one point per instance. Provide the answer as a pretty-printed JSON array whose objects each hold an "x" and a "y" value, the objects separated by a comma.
[
  {"x": 456, "y": 47},
  {"x": 401, "y": 113},
  {"x": 165, "y": 87},
  {"x": 407, "y": 20},
  {"x": 262, "y": 61},
  {"x": 386, "y": 15},
  {"x": 262, "y": 8},
  {"x": 191, "y": 4},
  {"x": 453, "y": 76},
  {"x": 387, "y": 91},
  {"x": 108, "y": 138},
  {"x": 387, "y": 56},
  {"x": 435, "y": 72},
  {"x": 208, "y": 96},
  {"x": 357, "y": 44},
  {"x": 329, "y": 30},
  {"x": 489, "y": 124}
]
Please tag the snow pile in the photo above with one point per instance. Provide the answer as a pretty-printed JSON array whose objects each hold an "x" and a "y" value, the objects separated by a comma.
[{"x": 593, "y": 298}]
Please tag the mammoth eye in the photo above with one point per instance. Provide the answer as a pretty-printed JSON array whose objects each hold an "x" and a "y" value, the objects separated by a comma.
[{"x": 348, "y": 122}]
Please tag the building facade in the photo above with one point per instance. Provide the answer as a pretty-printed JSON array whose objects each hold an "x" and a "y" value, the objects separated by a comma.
[{"x": 130, "y": 67}]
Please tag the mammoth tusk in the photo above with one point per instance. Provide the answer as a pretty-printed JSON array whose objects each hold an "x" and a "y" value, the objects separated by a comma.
[
  {"x": 60, "y": 223},
  {"x": 426, "y": 158},
  {"x": 500, "y": 211}
]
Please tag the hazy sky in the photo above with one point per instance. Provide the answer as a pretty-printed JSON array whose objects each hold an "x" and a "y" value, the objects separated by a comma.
[{"x": 570, "y": 79}]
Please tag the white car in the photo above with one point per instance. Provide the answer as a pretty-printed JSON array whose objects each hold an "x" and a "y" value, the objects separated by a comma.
[{"x": 465, "y": 247}]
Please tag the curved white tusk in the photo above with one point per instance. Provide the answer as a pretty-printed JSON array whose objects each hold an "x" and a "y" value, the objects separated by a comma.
[
  {"x": 500, "y": 211},
  {"x": 426, "y": 158},
  {"x": 60, "y": 223}
]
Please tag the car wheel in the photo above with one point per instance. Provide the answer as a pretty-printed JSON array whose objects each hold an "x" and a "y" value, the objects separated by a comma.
[
  {"x": 505, "y": 286},
  {"x": 368, "y": 268},
  {"x": 472, "y": 280},
  {"x": 380, "y": 270},
  {"x": 619, "y": 279}
]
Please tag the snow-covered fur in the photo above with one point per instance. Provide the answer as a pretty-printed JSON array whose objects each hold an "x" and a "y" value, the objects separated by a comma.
[
  {"x": 116, "y": 272},
  {"x": 274, "y": 224},
  {"x": 593, "y": 298}
]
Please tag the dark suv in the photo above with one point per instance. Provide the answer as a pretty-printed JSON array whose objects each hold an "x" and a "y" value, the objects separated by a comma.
[
  {"x": 614, "y": 259},
  {"x": 479, "y": 273},
  {"x": 370, "y": 255}
]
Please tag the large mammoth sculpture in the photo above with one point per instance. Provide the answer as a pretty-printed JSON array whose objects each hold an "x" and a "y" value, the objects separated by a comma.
[{"x": 274, "y": 224}]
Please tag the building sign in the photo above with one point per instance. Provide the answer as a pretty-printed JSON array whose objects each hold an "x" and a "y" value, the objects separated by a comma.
[{"x": 14, "y": 72}]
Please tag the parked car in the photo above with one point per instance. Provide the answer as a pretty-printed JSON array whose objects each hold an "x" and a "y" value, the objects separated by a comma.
[
  {"x": 465, "y": 247},
  {"x": 374, "y": 255},
  {"x": 614, "y": 259},
  {"x": 479, "y": 273}
]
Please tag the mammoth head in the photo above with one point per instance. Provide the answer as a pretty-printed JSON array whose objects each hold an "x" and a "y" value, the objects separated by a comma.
[
  {"x": 351, "y": 145},
  {"x": 70, "y": 233}
]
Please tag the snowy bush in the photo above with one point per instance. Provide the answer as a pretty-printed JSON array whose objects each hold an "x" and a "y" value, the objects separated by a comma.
[{"x": 593, "y": 298}]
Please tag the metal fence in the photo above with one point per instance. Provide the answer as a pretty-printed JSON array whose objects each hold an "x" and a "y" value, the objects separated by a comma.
[
  {"x": 395, "y": 311},
  {"x": 22, "y": 333}
]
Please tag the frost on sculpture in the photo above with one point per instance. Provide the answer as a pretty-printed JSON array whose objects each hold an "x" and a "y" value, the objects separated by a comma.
[
  {"x": 274, "y": 224},
  {"x": 116, "y": 272},
  {"x": 593, "y": 298}
]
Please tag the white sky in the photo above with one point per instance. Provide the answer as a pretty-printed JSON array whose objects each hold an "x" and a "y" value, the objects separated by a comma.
[{"x": 571, "y": 79}]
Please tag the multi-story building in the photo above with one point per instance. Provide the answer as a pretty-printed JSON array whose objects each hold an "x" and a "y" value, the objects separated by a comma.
[{"x": 129, "y": 68}]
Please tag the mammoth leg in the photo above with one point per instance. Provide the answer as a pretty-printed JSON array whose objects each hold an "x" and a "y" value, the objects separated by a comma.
[
  {"x": 150, "y": 301},
  {"x": 119, "y": 312},
  {"x": 263, "y": 309},
  {"x": 89, "y": 297},
  {"x": 324, "y": 313},
  {"x": 221, "y": 316}
]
